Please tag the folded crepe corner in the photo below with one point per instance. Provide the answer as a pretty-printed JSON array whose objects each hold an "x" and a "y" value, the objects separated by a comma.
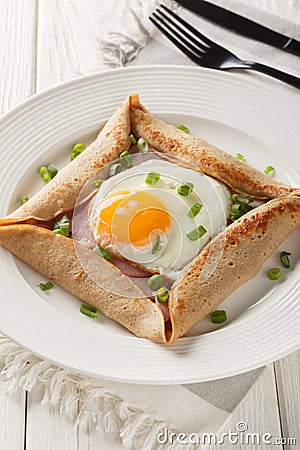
[
  {"x": 245, "y": 244},
  {"x": 56, "y": 257},
  {"x": 203, "y": 156},
  {"x": 61, "y": 193}
]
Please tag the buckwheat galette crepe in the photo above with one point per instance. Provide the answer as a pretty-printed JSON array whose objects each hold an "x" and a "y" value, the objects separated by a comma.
[{"x": 207, "y": 278}]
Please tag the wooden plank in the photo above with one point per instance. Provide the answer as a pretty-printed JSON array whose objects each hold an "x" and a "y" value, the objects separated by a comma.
[
  {"x": 12, "y": 420},
  {"x": 288, "y": 382},
  {"x": 65, "y": 38},
  {"x": 259, "y": 410},
  {"x": 46, "y": 428},
  {"x": 66, "y": 41},
  {"x": 17, "y": 81},
  {"x": 68, "y": 34},
  {"x": 17, "y": 55},
  {"x": 89, "y": 438}
]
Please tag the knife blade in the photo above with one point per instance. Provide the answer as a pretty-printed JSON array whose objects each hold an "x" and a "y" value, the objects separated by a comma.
[{"x": 242, "y": 25}]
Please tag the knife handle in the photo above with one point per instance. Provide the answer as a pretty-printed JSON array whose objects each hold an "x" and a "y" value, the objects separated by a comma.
[
  {"x": 292, "y": 46},
  {"x": 282, "y": 76}
]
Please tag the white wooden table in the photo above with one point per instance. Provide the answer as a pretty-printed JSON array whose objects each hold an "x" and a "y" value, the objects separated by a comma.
[{"x": 42, "y": 43}]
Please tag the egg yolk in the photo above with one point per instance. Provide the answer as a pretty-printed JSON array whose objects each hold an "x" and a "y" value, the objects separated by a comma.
[{"x": 131, "y": 217}]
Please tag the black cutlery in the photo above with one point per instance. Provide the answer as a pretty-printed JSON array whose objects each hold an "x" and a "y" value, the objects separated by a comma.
[{"x": 206, "y": 53}]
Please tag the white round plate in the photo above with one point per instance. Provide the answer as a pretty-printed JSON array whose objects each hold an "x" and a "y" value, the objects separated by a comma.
[{"x": 230, "y": 110}]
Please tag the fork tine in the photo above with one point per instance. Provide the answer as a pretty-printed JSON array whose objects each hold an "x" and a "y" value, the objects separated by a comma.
[
  {"x": 174, "y": 27},
  {"x": 178, "y": 44},
  {"x": 169, "y": 25},
  {"x": 201, "y": 36}
]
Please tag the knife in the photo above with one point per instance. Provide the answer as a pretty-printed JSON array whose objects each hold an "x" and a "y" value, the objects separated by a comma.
[{"x": 241, "y": 25}]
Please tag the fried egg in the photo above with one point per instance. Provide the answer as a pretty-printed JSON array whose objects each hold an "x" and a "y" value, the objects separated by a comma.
[{"x": 159, "y": 226}]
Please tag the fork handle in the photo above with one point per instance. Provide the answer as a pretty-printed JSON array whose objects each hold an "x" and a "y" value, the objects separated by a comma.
[{"x": 282, "y": 76}]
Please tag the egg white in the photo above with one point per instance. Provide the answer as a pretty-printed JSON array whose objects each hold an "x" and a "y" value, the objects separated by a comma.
[{"x": 177, "y": 249}]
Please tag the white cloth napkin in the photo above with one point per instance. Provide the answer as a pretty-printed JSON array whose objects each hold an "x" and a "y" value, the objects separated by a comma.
[
  {"x": 144, "y": 416},
  {"x": 151, "y": 47}
]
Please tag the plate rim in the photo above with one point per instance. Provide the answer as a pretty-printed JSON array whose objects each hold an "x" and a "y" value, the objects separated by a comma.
[{"x": 77, "y": 81}]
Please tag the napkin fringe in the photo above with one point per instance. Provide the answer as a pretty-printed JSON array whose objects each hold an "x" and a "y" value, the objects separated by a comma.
[
  {"x": 117, "y": 48},
  {"x": 81, "y": 399}
]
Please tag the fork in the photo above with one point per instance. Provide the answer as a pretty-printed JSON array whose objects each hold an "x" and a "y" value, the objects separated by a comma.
[{"x": 204, "y": 52}]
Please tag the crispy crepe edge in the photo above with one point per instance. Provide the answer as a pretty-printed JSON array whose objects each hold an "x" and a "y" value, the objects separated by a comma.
[
  {"x": 56, "y": 257},
  {"x": 203, "y": 156},
  {"x": 61, "y": 193},
  {"x": 235, "y": 256},
  {"x": 181, "y": 304}
]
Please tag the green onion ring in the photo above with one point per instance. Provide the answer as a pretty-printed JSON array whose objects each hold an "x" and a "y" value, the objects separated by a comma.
[
  {"x": 126, "y": 159},
  {"x": 62, "y": 226},
  {"x": 46, "y": 286},
  {"x": 143, "y": 145},
  {"x": 240, "y": 157},
  {"x": 157, "y": 247},
  {"x": 218, "y": 316},
  {"x": 152, "y": 178},
  {"x": 197, "y": 233},
  {"x": 194, "y": 210},
  {"x": 155, "y": 281},
  {"x": 102, "y": 252},
  {"x": 185, "y": 189},
  {"x": 114, "y": 169},
  {"x": 133, "y": 139},
  {"x": 88, "y": 310},
  {"x": 270, "y": 171},
  {"x": 184, "y": 128},
  {"x": 285, "y": 261},
  {"x": 24, "y": 200},
  {"x": 236, "y": 198},
  {"x": 274, "y": 274},
  {"x": 162, "y": 295}
]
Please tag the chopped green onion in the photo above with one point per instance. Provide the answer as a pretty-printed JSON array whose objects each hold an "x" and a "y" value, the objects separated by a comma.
[
  {"x": 184, "y": 128},
  {"x": 157, "y": 246},
  {"x": 62, "y": 226},
  {"x": 239, "y": 198},
  {"x": 102, "y": 252},
  {"x": 284, "y": 258},
  {"x": 143, "y": 145},
  {"x": 195, "y": 209},
  {"x": 48, "y": 172},
  {"x": 240, "y": 157},
  {"x": 45, "y": 174},
  {"x": 114, "y": 169},
  {"x": 77, "y": 149},
  {"x": 240, "y": 206},
  {"x": 24, "y": 199},
  {"x": 46, "y": 286},
  {"x": 270, "y": 171},
  {"x": 133, "y": 139},
  {"x": 154, "y": 282},
  {"x": 89, "y": 311},
  {"x": 152, "y": 178},
  {"x": 274, "y": 274},
  {"x": 98, "y": 183},
  {"x": 218, "y": 316},
  {"x": 185, "y": 189},
  {"x": 197, "y": 233},
  {"x": 162, "y": 294},
  {"x": 238, "y": 210},
  {"x": 126, "y": 159},
  {"x": 52, "y": 169}
]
